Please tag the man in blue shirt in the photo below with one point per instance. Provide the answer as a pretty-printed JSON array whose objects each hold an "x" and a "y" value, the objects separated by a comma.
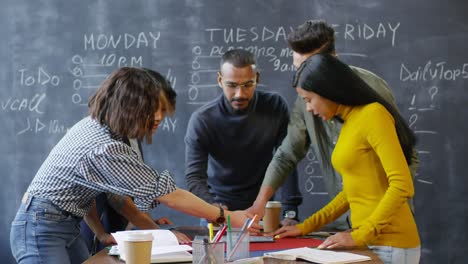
[{"x": 231, "y": 140}]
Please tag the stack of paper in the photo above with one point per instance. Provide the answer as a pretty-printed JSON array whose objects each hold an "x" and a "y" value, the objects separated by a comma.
[
  {"x": 318, "y": 256},
  {"x": 165, "y": 247}
]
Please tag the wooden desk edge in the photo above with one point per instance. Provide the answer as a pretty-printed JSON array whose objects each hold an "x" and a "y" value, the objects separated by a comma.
[{"x": 103, "y": 258}]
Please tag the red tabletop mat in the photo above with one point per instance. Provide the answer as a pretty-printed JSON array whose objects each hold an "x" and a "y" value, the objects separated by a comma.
[{"x": 285, "y": 243}]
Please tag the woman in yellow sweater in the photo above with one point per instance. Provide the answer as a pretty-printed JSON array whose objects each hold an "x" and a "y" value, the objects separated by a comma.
[{"x": 372, "y": 153}]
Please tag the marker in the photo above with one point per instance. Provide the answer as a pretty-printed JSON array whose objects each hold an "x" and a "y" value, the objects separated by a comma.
[
  {"x": 229, "y": 222},
  {"x": 210, "y": 229},
  {"x": 229, "y": 229}
]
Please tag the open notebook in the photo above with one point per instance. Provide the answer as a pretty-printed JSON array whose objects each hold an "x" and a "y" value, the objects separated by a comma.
[
  {"x": 165, "y": 247},
  {"x": 318, "y": 256}
]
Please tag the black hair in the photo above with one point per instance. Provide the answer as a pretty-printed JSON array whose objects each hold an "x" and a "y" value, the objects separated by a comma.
[
  {"x": 239, "y": 58},
  {"x": 168, "y": 92},
  {"x": 311, "y": 36},
  {"x": 327, "y": 76}
]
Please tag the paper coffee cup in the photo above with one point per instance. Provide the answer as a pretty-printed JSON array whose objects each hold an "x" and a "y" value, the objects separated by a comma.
[
  {"x": 137, "y": 248},
  {"x": 271, "y": 219}
]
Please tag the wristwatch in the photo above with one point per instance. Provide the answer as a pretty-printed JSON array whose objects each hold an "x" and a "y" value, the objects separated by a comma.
[
  {"x": 291, "y": 214},
  {"x": 221, "y": 219}
]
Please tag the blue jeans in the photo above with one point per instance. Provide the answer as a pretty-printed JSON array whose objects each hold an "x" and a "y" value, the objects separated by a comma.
[
  {"x": 393, "y": 255},
  {"x": 110, "y": 219},
  {"x": 43, "y": 233}
]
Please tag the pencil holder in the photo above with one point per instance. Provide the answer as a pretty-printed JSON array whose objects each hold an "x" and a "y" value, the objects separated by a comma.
[
  {"x": 207, "y": 253},
  {"x": 237, "y": 245}
]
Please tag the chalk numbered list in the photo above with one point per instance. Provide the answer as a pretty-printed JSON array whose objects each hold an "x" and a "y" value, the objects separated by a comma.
[{"x": 318, "y": 256}]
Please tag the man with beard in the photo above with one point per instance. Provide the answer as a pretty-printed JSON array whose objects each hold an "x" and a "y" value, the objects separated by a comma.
[{"x": 231, "y": 140}]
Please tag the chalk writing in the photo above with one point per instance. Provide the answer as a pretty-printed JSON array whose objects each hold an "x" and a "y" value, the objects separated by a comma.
[
  {"x": 283, "y": 66},
  {"x": 122, "y": 41},
  {"x": 312, "y": 176},
  {"x": 237, "y": 35},
  {"x": 37, "y": 125},
  {"x": 349, "y": 31},
  {"x": 121, "y": 61},
  {"x": 258, "y": 51},
  {"x": 202, "y": 66},
  {"x": 168, "y": 124},
  {"x": 419, "y": 108},
  {"x": 55, "y": 127},
  {"x": 39, "y": 77},
  {"x": 171, "y": 79},
  {"x": 433, "y": 71},
  {"x": 77, "y": 72},
  {"x": 366, "y": 31},
  {"x": 88, "y": 74},
  {"x": 24, "y": 104}
]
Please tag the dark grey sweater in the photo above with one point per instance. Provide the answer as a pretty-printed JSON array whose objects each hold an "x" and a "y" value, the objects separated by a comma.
[{"x": 227, "y": 153}]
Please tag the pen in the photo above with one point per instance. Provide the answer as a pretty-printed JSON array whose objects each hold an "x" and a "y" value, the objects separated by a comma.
[
  {"x": 246, "y": 223},
  {"x": 244, "y": 231},
  {"x": 220, "y": 234}
]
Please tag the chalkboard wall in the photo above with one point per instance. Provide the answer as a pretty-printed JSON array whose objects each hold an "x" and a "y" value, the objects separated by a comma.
[{"x": 54, "y": 54}]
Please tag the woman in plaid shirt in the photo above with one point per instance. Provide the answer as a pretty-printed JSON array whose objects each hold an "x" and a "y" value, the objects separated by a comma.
[{"x": 92, "y": 158}]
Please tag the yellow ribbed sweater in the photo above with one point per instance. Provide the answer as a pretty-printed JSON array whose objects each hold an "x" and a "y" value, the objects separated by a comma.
[{"x": 376, "y": 181}]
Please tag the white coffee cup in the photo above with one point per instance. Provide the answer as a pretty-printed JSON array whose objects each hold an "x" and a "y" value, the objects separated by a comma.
[
  {"x": 271, "y": 219},
  {"x": 137, "y": 248}
]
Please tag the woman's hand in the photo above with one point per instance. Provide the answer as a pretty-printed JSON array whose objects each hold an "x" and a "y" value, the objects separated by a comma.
[
  {"x": 107, "y": 239},
  {"x": 164, "y": 221},
  {"x": 181, "y": 237},
  {"x": 285, "y": 231},
  {"x": 289, "y": 222},
  {"x": 338, "y": 240}
]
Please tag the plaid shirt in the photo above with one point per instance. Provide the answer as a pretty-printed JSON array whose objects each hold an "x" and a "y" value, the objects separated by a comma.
[{"x": 89, "y": 160}]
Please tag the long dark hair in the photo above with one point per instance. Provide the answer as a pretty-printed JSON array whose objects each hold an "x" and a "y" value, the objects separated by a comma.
[
  {"x": 128, "y": 99},
  {"x": 330, "y": 78}
]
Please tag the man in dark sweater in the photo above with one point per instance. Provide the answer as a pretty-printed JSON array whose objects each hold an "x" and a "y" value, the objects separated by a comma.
[{"x": 231, "y": 140}]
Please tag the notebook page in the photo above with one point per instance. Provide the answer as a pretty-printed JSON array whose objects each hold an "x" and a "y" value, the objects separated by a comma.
[{"x": 320, "y": 256}]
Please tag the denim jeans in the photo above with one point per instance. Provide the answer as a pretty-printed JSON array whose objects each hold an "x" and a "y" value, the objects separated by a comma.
[
  {"x": 43, "y": 233},
  {"x": 393, "y": 255},
  {"x": 110, "y": 219}
]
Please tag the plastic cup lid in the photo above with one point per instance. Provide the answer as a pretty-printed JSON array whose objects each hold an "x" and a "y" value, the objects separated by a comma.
[
  {"x": 273, "y": 204},
  {"x": 138, "y": 236}
]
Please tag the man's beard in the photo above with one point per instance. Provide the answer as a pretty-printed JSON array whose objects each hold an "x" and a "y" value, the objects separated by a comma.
[{"x": 243, "y": 110}]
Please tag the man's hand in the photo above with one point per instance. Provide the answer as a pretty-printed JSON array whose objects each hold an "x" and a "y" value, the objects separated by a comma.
[
  {"x": 238, "y": 218},
  {"x": 338, "y": 240},
  {"x": 256, "y": 209}
]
